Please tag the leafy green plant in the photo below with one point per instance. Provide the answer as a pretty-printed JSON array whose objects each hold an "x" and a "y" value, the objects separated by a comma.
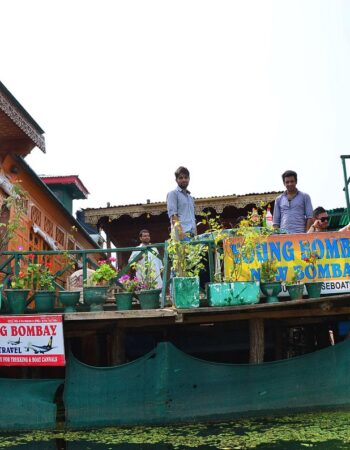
[
  {"x": 250, "y": 235},
  {"x": 296, "y": 277},
  {"x": 217, "y": 233},
  {"x": 16, "y": 203},
  {"x": 186, "y": 258},
  {"x": 103, "y": 274}
]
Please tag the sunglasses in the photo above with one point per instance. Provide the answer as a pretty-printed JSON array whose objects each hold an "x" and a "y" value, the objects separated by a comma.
[{"x": 324, "y": 219}]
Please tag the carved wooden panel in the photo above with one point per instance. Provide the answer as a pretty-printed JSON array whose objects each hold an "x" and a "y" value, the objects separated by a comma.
[
  {"x": 48, "y": 226},
  {"x": 59, "y": 237},
  {"x": 35, "y": 215}
]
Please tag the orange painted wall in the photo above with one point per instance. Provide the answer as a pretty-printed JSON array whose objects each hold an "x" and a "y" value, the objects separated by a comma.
[{"x": 52, "y": 219}]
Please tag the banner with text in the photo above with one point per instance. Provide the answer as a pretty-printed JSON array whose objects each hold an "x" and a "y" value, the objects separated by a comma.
[
  {"x": 290, "y": 252},
  {"x": 35, "y": 340}
]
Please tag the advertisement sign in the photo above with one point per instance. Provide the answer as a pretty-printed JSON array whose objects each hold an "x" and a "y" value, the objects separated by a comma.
[
  {"x": 35, "y": 340},
  {"x": 290, "y": 251}
]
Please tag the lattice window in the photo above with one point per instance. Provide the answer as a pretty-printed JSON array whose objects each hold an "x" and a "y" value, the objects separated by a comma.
[
  {"x": 36, "y": 215},
  {"x": 59, "y": 237},
  {"x": 48, "y": 226}
]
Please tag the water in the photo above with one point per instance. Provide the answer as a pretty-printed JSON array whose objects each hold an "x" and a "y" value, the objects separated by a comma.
[{"x": 316, "y": 431}]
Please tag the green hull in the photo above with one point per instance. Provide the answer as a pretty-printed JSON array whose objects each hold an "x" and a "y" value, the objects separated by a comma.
[{"x": 167, "y": 386}]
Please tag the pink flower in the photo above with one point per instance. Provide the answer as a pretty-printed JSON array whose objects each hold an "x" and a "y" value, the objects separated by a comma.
[{"x": 112, "y": 259}]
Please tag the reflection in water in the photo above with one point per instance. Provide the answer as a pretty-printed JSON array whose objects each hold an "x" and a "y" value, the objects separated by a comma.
[{"x": 317, "y": 431}]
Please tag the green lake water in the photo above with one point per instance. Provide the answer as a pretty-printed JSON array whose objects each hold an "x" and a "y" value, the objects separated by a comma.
[{"x": 316, "y": 431}]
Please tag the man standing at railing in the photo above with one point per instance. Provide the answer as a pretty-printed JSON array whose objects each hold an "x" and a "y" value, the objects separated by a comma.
[
  {"x": 151, "y": 256},
  {"x": 180, "y": 206},
  {"x": 293, "y": 209}
]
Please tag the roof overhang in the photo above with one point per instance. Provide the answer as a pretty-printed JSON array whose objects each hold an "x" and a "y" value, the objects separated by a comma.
[
  {"x": 94, "y": 215},
  {"x": 19, "y": 133},
  {"x": 70, "y": 182}
]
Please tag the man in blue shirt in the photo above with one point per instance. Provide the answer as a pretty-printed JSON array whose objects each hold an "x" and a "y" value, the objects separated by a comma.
[
  {"x": 180, "y": 206},
  {"x": 293, "y": 210}
]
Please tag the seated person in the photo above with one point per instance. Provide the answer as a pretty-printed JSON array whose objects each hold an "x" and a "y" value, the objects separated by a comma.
[{"x": 321, "y": 219}]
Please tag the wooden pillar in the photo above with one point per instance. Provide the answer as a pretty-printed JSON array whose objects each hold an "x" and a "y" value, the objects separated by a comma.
[
  {"x": 257, "y": 342},
  {"x": 117, "y": 352}
]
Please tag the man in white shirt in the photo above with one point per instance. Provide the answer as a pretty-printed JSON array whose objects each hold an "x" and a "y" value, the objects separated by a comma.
[{"x": 151, "y": 256}]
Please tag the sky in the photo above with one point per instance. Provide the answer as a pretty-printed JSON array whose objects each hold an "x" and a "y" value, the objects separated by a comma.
[{"x": 237, "y": 91}]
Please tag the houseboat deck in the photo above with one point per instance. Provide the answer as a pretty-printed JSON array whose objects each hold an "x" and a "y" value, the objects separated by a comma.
[{"x": 289, "y": 313}]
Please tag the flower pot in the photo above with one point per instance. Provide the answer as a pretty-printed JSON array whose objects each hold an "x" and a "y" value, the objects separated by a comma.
[
  {"x": 186, "y": 292},
  {"x": 295, "y": 291},
  {"x": 221, "y": 294},
  {"x": 233, "y": 294},
  {"x": 314, "y": 289},
  {"x": 246, "y": 292},
  {"x": 16, "y": 299},
  {"x": 44, "y": 301},
  {"x": 271, "y": 291},
  {"x": 124, "y": 300},
  {"x": 149, "y": 299},
  {"x": 69, "y": 299},
  {"x": 95, "y": 297}
]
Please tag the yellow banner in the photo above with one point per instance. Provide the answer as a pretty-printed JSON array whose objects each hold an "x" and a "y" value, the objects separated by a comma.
[{"x": 290, "y": 251}]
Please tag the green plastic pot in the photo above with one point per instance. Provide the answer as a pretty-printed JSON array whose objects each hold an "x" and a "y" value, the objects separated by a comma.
[
  {"x": 124, "y": 300},
  {"x": 271, "y": 291},
  {"x": 149, "y": 299},
  {"x": 233, "y": 294},
  {"x": 314, "y": 289},
  {"x": 17, "y": 299},
  {"x": 295, "y": 291},
  {"x": 44, "y": 301},
  {"x": 69, "y": 299},
  {"x": 186, "y": 292},
  {"x": 95, "y": 297}
]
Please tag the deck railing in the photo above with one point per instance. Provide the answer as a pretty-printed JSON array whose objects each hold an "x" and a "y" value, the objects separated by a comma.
[{"x": 11, "y": 261}]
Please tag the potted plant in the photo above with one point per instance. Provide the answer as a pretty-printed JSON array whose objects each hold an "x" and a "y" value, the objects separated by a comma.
[
  {"x": 69, "y": 300},
  {"x": 124, "y": 298},
  {"x": 295, "y": 287},
  {"x": 248, "y": 235},
  {"x": 268, "y": 284},
  {"x": 18, "y": 293},
  {"x": 96, "y": 289},
  {"x": 219, "y": 292},
  {"x": 147, "y": 290},
  {"x": 186, "y": 263},
  {"x": 313, "y": 287},
  {"x": 42, "y": 282}
]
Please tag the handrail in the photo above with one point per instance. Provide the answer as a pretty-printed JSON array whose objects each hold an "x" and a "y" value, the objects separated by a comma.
[{"x": 83, "y": 256}]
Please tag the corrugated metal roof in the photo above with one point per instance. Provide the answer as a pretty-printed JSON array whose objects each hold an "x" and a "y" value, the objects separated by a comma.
[{"x": 196, "y": 198}]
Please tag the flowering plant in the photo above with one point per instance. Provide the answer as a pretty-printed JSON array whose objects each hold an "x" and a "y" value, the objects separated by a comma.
[
  {"x": 130, "y": 284},
  {"x": 312, "y": 258},
  {"x": 39, "y": 275},
  {"x": 20, "y": 281},
  {"x": 269, "y": 270},
  {"x": 104, "y": 274},
  {"x": 147, "y": 277}
]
